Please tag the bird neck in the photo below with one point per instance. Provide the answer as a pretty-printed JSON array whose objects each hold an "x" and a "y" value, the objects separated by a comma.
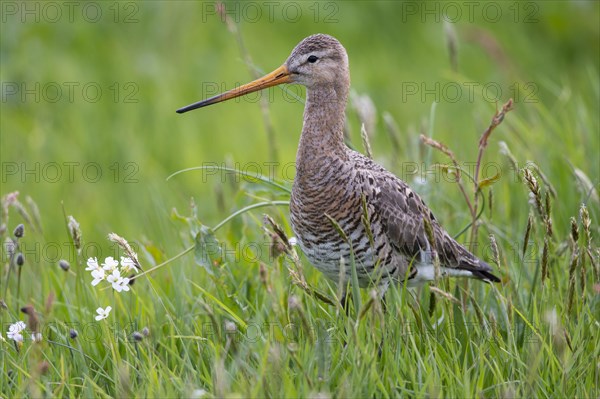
[{"x": 323, "y": 129}]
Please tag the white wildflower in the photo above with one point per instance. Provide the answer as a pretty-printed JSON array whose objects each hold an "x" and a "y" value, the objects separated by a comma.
[
  {"x": 118, "y": 283},
  {"x": 103, "y": 313},
  {"x": 123, "y": 284},
  {"x": 98, "y": 276},
  {"x": 111, "y": 272},
  {"x": 114, "y": 276},
  {"x": 92, "y": 264},
  {"x": 110, "y": 264},
  {"x": 15, "y": 330},
  {"x": 127, "y": 264},
  {"x": 293, "y": 241}
]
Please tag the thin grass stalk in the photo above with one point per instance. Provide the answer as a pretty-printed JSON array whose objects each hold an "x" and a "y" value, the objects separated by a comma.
[
  {"x": 586, "y": 244},
  {"x": 19, "y": 271},
  {"x": 483, "y": 143},
  {"x": 547, "y": 217},
  {"x": 572, "y": 269}
]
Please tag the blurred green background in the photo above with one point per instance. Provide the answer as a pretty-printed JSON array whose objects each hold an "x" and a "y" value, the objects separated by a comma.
[
  {"x": 88, "y": 124},
  {"x": 114, "y": 149}
]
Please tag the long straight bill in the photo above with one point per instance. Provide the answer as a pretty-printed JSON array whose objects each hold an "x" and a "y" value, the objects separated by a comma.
[{"x": 278, "y": 76}]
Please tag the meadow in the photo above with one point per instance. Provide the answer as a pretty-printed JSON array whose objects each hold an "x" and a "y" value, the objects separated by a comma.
[{"x": 221, "y": 304}]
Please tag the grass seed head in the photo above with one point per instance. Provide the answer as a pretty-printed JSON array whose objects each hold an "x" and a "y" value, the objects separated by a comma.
[
  {"x": 527, "y": 233},
  {"x": 535, "y": 167},
  {"x": 121, "y": 242},
  {"x": 548, "y": 204},
  {"x": 279, "y": 241},
  {"x": 545, "y": 260},
  {"x": 365, "y": 140},
  {"x": 574, "y": 231},
  {"x": 75, "y": 231},
  {"x": 10, "y": 246},
  {"x": 548, "y": 224},
  {"x": 534, "y": 188},
  {"x": 495, "y": 251},
  {"x": 429, "y": 232},
  {"x": 586, "y": 222},
  {"x": 438, "y": 146}
]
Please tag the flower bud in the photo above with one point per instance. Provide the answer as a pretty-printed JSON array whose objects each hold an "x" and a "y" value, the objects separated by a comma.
[
  {"x": 64, "y": 265},
  {"x": 137, "y": 336},
  {"x": 19, "y": 231}
]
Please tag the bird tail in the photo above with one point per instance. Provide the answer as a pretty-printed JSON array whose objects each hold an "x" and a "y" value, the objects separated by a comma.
[
  {"x": 426, "y": 272},
  {"x": 483, "y": 272}
]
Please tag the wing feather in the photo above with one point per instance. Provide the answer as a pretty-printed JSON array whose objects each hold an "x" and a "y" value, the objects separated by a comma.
[{"x": 402, "y": 212}]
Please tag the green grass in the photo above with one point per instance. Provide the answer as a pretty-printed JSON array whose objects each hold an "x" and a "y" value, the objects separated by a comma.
[{"x": 230, "y": 318}]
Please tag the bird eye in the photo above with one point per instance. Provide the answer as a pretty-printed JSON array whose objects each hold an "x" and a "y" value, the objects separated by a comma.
[{"x": 312, "y": 59}]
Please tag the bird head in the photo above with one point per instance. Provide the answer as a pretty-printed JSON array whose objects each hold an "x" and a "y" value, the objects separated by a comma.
[{"x": 318, "y": 60}]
